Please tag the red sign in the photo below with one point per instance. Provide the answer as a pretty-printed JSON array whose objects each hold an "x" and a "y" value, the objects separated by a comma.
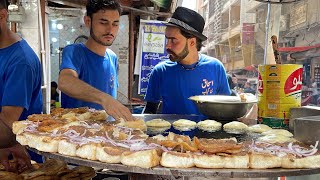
[
  {"x": 247, "y": 33},
  {"x": 260, "y": 84},
  {"x": 294, "y": 82}
]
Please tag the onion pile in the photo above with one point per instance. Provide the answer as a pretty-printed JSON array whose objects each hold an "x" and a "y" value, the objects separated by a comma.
[{"x": 296, "y": 150}]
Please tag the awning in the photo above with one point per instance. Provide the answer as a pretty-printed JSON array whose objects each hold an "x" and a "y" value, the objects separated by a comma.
[
  {"x": 300, "y": 53},
  {"x": 297, "y": 49},
  {"x": 251, "y": 68}
]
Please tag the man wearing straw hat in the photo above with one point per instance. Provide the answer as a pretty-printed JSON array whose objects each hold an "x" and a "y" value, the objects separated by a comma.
[{"x": 188, "y": 73}]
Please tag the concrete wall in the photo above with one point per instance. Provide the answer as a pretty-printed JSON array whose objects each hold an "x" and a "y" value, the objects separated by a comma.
[{"x": 29, "y": 29}]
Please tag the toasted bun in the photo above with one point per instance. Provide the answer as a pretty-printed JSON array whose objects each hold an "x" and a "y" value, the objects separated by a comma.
[
  {"x": 70, "y": 116},
  {"x": 235, "y": 127},
  {"x": 209, "y": 125},
  {"x": 67, "y": 148},
  {"x": 42, "y": 142},
  {"x": 22, "y": 139},
  {"x": 87, "y": 151},
  {"x": 306, "y": 162},
  {"x": 274, "y": 138},
  {"x": 184, "y": 125},
  {"x": 48, "y": 144},
  {"x": 282, "y": 132},
  {"x": 32, "y": 139},
  {"x": 73, "y": 123},
  {"x": 143, "y": 159},
  {"x": 259, "y": 128},
  {"x": 220, "y": 161},
  {"x": 264, "y": 160},
  {"x": 109, "y": 154},
  {"x": 237, "y": 161},
  {"x": 136, "y": 124},
  {"x": 84, "y": 116},
  {"x": 19, "y": 126},
  {"x": 177, "y": 160},
  {"x": 209, "y": 161},
  {"x": 99, "y": 115}
]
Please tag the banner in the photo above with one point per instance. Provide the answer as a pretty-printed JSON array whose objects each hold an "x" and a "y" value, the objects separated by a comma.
[{"x": 151, "y": 50}]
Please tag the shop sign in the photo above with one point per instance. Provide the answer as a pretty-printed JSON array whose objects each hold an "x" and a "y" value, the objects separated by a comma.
[{"x": 151, "y": 50}]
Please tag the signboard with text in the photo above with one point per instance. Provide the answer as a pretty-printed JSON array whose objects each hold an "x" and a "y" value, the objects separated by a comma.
[{"x": 151, "y": 50}]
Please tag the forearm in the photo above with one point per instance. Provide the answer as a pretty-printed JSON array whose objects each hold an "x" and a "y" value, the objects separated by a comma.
[
  {"x": 8, "y": 115},
  {"x": 7, "y": 138},
  {"x": 76, "y": 88}
]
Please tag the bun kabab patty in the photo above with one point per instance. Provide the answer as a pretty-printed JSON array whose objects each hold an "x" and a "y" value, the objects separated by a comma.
[
  {"x": 235, "y": 127},
  {"x": 209, "y": 125},
  {"x": 184, "y": 125},
  {"x": 259, "y": 128},
  {"x": 282, "y": 132},
  {"x": 157, "y": 126}
]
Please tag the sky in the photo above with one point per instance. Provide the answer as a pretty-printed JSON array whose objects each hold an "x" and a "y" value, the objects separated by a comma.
[{"x": 191, "y": 4}]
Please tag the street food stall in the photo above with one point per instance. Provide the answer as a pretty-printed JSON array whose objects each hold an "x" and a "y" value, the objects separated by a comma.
[{"x": 137, "y": 167}]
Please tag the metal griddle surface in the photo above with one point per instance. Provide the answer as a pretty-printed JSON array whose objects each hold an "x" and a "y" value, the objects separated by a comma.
[
  {"x": 189, "y": 172},
  {"x": 196, "y": 132}
]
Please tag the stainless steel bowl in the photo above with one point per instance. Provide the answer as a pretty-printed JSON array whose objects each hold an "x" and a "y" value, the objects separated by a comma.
[{"x": 220, "y": 109}]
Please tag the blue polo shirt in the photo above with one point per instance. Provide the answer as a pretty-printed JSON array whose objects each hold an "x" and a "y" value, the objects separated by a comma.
[
  {"x": 20, "y": 78},
  {"x": 101, "y": 72},
  {"x": 20, "y": 81},
  {"x": 174, "y": 84}
]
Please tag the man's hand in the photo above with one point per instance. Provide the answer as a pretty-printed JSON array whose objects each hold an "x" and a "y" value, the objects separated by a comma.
[
  {"x": 70, "y": 84},
  {"x": 21, "y": 158},
  {"x": 115, "y": 109}
]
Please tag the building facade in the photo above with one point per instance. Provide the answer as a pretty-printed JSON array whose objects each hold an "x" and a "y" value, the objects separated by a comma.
[{"x": 236, "y": 29}]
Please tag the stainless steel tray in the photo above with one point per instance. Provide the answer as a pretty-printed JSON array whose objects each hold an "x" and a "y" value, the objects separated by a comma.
[{"x": 188, "y": 172}]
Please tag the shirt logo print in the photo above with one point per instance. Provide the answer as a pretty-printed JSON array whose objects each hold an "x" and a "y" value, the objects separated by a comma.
[
  {"x": 207, "y": 87},
  {"x": 112, "y": 81}
]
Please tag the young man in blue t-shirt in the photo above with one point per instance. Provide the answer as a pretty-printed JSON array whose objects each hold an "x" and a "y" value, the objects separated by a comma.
[
  {"x": 189, "y": 73},
  {"x": 20, "y": 91},
  {"x": 88, "y": 73}
]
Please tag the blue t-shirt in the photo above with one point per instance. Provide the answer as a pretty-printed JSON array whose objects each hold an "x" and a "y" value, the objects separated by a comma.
[
  {"x": 98, "y": 71},
  {"x": 173, "y": 84},
  {"x": 20, "y": 79}
]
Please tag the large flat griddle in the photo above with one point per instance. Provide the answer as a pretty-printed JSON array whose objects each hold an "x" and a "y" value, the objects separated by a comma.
[
  {"x": 178, "y": 172},
  {"x": 182, "y": 172}
]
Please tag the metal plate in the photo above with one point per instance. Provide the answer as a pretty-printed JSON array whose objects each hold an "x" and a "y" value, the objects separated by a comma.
[{"x": 188, "y": 172}]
